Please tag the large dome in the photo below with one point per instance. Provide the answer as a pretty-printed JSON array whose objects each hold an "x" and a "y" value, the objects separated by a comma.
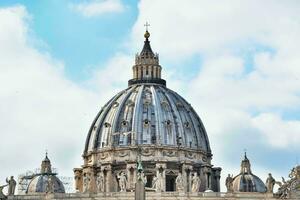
[
  {"x": 149, "y": 124},
  {"x": 147, "y": 114}
]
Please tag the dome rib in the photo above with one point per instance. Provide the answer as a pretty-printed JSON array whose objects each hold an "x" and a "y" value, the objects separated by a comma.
[{"x": 154, "y": 115}]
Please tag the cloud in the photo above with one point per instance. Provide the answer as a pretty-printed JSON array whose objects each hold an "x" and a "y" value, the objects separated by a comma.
[
  {"x": 247, "y": 77},
  {"x": 40, "y": 108},
  {"x": 98, "y": 7},
  {"x": 280, "y": 133}
]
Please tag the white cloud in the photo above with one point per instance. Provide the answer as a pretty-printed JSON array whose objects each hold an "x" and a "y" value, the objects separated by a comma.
[
  {"x": 40, "y": 108},
  {"x": 249, "y": 75},
  {"x": 98, "y": 7},
  {"x": 280, "y": 133}
]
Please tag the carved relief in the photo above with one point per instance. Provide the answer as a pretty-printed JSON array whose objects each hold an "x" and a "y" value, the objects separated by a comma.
[
  {"x": 147, "y": 152},
  {"x": 121, "y": 153},
  {"x": 170, "y": 153},
  {"x": 190, "y": 155},
  {"x": 103, "y": 155}
]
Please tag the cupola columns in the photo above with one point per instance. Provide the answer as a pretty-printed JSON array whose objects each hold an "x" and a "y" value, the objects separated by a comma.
[{"x": 146, "y": 68}]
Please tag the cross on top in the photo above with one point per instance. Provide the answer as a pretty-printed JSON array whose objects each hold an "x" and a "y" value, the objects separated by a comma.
[
  {"x": 245, "y": 151},
  {"x": 146, "y": 25}
]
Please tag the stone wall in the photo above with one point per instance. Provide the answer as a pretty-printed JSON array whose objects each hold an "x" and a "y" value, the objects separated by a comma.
[{"x": 149, "y": 196}]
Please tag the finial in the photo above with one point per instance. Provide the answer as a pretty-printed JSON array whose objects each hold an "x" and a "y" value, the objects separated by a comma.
[
  {"x": 146, "y": 25},
  {"x": 245, "y": 151},
  {"x": 46, "y": 153},
  {"x": 147, "y": 34}
]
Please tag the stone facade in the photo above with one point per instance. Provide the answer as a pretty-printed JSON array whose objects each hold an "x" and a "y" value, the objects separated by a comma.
[
  {"x": 150, "y": 196},
  {"x": 164, "y": 160}
]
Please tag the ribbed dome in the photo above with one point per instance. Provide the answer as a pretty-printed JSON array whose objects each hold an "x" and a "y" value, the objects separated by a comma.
[
  {"x": 46, "y": 180},
  {"x": 147, "y": 114},
  {"x": 246, "y": 181},
  {"x": 40, "y": 184}
]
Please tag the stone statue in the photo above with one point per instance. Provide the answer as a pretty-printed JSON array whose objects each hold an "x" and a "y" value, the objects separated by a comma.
[
  {"x": 122, "y": 181},
  {"x": 86, "y": 183},
  {"x": 295, "y": 173},
  {"x": 2, "y": 196},
  {"x": 179, "y": 183},
  {"x": 157, "y": 183},
  {"x": 50, "y": 186},
  {"x": 143, "y": 178},
  {"x": 11, "y": 185},
  {"x": 229, "y": 183},
  {"x": 195, "y": 183},
  {"x": 100, "y": 182},
  {"x": 270, "y": 182}
]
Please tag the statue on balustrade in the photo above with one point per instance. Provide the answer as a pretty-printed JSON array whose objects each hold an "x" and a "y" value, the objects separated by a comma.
[
  {"x": 270, "y": 182},
  {"x": 195, "y": 183},
  {"x": 229, "y": 183},
  {"x": 179, "y": 183},
  {"x": 122, "y": 181}
]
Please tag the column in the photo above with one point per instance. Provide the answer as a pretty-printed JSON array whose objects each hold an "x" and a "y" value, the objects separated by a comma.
[
  {"x": 186, "y": 171},
  {"x": 134, "y": 72},
  {"x": 139, "y": 72},
  {"x": 154, "y": 71},
  {"x": 131, "y": 174},
  {"x": 108, "y": 178},
  {"x": 144, "y": 72}
]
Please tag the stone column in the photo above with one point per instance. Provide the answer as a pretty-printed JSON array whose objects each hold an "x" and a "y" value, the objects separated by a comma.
[
  {"x": 207, "y": 174},
  {"x": 131, "y": 177},
  {"x": 144, "y": 72},
  {"x": 185, "y": 175},
  {"x": 139, "y": 72},
  {"x": 217, "y": 173},
  {"x": 154, "y": 71},
  {"x": 159, "y": 73},
  {"x": 134, "y": 72},
  {"x": 108, "y": 178},
  {"x": 78, "y": 179}
]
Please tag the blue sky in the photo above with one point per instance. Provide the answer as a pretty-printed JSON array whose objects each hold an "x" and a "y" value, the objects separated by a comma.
[
  {"x": 82, "y": 43},
  {"x": 60, "y": 61}
]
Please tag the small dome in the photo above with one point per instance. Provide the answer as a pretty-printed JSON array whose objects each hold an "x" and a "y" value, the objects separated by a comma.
[
  {"x": 46, "y": 181},
  {"x": 40, "y": 184},
  {"x": 246, "y": 181}
]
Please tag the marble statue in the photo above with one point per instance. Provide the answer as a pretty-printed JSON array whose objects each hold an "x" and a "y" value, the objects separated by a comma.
[
  {"x": 229, "y": 183},
  {"x": 50, "y": 188},
  {"x": 100, "y": 182},
  {"x": 86, "y": 183},
  {"x": 270, "y": 182},
  {"x": 143, "y": 178},
  {"x": 122, "y": 181},
  {"x": 179, "y": 183},
  {"x": 2, "y": 195},
  {"x": 11, "y": 185},
  {"x": 157, "y": 183},
  {"x": 195, "y": 183}
]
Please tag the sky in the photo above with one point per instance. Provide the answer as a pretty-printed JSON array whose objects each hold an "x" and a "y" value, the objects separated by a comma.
[{"x": 236, "y": 62}]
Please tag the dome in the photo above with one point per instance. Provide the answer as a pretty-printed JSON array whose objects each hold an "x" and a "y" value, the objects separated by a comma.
[
  {"x": 147, "y": 114},
  {"x": 40, "y": 184},
  {"x": 150, "y": 129},
  {"x": 46, "y": 181},
  {"x": 246, "y": 181}
]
